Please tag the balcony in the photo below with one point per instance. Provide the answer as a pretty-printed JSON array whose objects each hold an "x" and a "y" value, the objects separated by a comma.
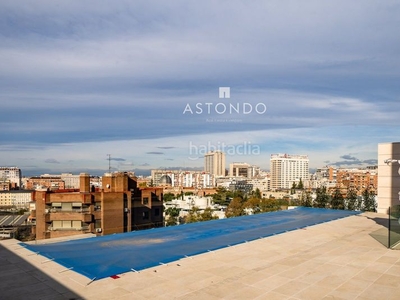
[
  {"x": 83, "y": 229},
  {"x": 72, "y": 216}
]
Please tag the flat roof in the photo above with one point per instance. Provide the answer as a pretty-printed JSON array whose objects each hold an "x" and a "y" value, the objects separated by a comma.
[{"x": 337, "y": 259}]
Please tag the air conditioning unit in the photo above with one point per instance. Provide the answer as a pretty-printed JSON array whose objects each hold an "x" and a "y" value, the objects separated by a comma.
[{"x": 98, "y": 230}]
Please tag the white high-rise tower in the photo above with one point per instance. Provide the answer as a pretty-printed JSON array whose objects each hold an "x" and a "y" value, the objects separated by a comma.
[
  {"x": 214, "y": 163},
  {"x": 286, "y": 169}
]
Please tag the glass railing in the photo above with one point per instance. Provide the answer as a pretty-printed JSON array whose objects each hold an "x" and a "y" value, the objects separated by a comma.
[{"x": 394, "y": 226}]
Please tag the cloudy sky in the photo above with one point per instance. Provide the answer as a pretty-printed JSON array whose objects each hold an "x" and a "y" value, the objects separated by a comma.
[{"x": 140, "y": 80}]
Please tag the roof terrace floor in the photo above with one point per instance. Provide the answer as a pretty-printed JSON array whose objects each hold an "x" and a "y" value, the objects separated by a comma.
[{"x": 335, "y": 260}]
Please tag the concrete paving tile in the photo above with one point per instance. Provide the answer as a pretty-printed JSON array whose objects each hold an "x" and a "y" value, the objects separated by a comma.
[
  {"x": 367, "y": 275},
  {"x": 331, "y": 281},
  {"x": 387, "y": 259},
  {"x": 270, "y": 283},
  {"x": 198, "y": 295},
  {"x": 23, "y": 279},
  {"x": 246, "y": 292},
  {"x": 347, "y": 272},
  {"x": 341, "y": 295},
  {"x": 353, "y": 286},
  {"x": 296, "y": 272},
  {"x": 312, "y": 277},
  {"x": 291, "y": 288},
  {"x": 223, "y": 290},
  {"x": 388, "y": 280},
  {"x": 312, "y": 292},
  {"x": 273, "y": 296},
  {"x": 393, "y": 270},
  {"x": 377, "y": 291},
  {"x": 254, "y": 277}
]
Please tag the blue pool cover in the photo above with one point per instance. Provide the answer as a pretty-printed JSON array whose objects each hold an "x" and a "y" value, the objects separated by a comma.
[{"x": 110, "y": 255}]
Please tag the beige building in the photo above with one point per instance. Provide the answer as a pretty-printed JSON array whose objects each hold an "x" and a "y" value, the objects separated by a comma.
[
  {"x": 182, "y": 178},
  {"x": 15, "y": 199},
  {"x": 214, "y": 163},
  {"x": 12, "y": 175},
  {"x": 241, "y": 169},
  {"x": 286, "y": 169},
  {"x": 388, "y": 176}
]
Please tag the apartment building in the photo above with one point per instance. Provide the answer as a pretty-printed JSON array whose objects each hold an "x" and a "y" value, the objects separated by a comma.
[
  {"x": 16, "y": 199},
  {"x": 47, "y": 182},
  {"x": 70, "y": 181},
  {"x": 214, "y": 163},
  {"x": 286, "y": 169},
  {"x": 120, "y": 206},
  {"x": 11, "y": 175},
  {"x": 358, "y": 179},
  {"x": 241, "y": 169},
  {"x": 183, "y": 179}
]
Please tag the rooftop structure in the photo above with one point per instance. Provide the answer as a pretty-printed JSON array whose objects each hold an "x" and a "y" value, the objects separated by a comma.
[{"x": 388, "y": 176}]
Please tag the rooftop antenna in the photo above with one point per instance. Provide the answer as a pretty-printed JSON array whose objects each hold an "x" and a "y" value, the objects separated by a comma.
[{"x": 109, "y": 163}]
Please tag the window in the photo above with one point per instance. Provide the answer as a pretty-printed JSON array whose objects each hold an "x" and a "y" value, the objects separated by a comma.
[
  {"x": 146, "y": 200},
  {"x": 157, "y": 212},
  {"x": 145, "y": 215}
]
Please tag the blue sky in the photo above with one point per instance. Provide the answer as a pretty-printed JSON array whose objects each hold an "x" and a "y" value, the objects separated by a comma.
[{"x": 83, "y": 79}]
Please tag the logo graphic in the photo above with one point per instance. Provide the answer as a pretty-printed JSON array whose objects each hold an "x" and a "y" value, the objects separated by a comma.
[
  {"x": 224, "y": 92},
  {"x": 220, "y": 108}
]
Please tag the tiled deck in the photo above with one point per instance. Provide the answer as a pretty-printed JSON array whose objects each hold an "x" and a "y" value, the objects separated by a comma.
[{"x": 334, "y": 260}]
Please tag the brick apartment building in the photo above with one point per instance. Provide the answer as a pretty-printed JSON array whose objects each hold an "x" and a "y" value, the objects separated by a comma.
[
  {"x": 356, "y": 179},
  {"x": 120, "y": 206},
  {"x": 51, "y": 183}
]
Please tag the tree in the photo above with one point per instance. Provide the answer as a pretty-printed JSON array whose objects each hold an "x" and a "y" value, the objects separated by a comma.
[
  {"x": 208, "y": 215},
  {"x": 351, "y": 199},
  {"x": 143, "y": 184},
  {"x": 300, "y": 186},
  {"x": 235, "y": 208},
  {"x": 171, "y": 216},
  {"x": 195, "y": 215},
  {"x": 369, "y": 203},
  {"x": 306, "y": 199},
  {"x": 168, "y": 197},
  {"x": 268, "y": 205},
  {"x": 293, "y": 188},
  {"x": 337, "y": 201},
  {"x": 257, "y": 193},
  {"x": 253, "y": 203},
  {"x": 322, "y": 199},
  {"x": 222, "y": 196}
]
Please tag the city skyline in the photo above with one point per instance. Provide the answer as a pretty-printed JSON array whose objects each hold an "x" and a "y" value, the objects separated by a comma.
[{"x": 82, "y": 81}]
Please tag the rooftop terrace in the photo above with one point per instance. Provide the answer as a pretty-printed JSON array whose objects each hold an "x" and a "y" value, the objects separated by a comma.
[{"x": 334, "y": 260}]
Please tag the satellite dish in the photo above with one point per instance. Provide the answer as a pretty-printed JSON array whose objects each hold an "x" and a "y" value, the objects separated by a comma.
[{"x": 108, "y": 186}]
